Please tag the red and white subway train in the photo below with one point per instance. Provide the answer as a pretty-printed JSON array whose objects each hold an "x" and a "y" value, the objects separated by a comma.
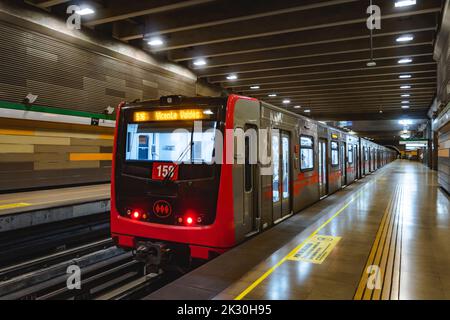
[{"x": 168, "y": 199}]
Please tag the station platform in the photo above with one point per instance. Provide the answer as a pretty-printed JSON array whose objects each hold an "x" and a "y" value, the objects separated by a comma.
[
  {"x": 385, "y": 237},
  {"x": 26, "y": 209}
]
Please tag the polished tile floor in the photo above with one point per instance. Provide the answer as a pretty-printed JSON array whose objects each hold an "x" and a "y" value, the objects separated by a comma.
[
  {"x": 401, "y": 218},
  {"x": 392, "y": 241}
]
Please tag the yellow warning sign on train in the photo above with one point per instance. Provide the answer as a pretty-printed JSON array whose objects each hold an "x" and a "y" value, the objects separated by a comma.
[
  {"x": 316, "y": 249},
  {"x": 14, "y": 205}
]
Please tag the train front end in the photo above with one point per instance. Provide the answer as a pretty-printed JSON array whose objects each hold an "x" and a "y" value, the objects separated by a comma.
[{"x": 167, "y": 183}]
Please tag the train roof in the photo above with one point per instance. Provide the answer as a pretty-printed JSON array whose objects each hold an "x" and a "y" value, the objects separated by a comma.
[{"x": 201, "y": 100}]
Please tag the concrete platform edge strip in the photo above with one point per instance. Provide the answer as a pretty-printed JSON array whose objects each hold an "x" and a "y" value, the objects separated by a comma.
[{"x": 10, "y": 222}]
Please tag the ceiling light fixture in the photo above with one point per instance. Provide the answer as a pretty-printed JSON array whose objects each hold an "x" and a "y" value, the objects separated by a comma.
[
  {"x": 405, "y": 122},
  {"x": 405, "y": 38},
  {"x": 85, "y": 11},
  {"x": 155, "y": 42},
  {"x": 232, "y": 77},
  {"x": 405, "y": 136},
  {"x": 200, "y": 62},
  {"x": 405, "y": 102},
  {"x": 404, "y": 3},
  {"x": 405, "y": 87},
  {"x": 405, "y": 76},
  {"x": 272, "y": 95},
  {"x": 405, "y": 95},
  {"x": 255, "y": 87},
  {"x": 405, "y": 107},
  {"x": 297, "y": 107},
  {"x": 405, "y": 61},
  {"x": 307, "y": 111},
  {"x": 286, "y": 101}
]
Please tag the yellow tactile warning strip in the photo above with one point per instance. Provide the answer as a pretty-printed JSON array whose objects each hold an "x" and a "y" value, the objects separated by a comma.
[
  {"x": 256, "y": 283},
  {"x": 381, "y": 275},
  {"x": 296, "y": 249},
  {"x": 14, "y": 205},
  {"x": 316, "y": 250}
]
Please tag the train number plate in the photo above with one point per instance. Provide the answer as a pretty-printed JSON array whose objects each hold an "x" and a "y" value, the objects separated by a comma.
[{"x": 165, "y": 171}]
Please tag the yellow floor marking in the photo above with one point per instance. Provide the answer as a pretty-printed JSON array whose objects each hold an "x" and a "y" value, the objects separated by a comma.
[
  {"x": 294, "y": 251},
  {"x": 363, "y": 282},
  {"x": 14, "y": 205},
  {"x": 90, "y": 157},
  {"x": 385, "y": 255},
  {"x": 380, "y": 260},
  {"x": 391, "y": 284},
  {"x": 250, "y": 288},
  {"x": 376, "y": 261},
  {"x": 395, "y": 289},
  {"x": 60, "y": 194},
  {"x": 316, "y": 250},
  {"x": 65, "y": 200}
]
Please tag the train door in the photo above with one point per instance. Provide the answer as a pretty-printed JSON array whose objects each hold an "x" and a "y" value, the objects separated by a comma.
[
  {"x": 286, "y": 174},
  {"x": 245, "y": 170},
  {"x": 343, "y": 163},
  {"x": 370, "y": 159},
  {"x": 323, "y": 166},
  {"x": 365, "y": 159},
  {"x": 356, "y": 161},
  {"x": 374, "y": 159},
  {"x": 281, "y": 183},
  {"x": 250, "y": 180}
]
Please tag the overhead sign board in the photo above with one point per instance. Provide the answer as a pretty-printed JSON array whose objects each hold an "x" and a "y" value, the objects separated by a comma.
[{"x": 415, "y": 143}]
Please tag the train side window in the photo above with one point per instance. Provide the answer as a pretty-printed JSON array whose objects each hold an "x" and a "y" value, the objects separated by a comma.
[
  {"x": 350, "y": 154},
  {"x": 334, "y": 154},
  {"x": 306, "y": 153}
]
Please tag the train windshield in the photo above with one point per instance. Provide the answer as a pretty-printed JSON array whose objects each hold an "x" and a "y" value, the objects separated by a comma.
[{"x": 188, "y": 142}]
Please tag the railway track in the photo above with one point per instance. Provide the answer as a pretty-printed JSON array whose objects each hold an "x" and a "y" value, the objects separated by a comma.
[
  {"x": 34, "y": 242},
  {"x": 107, "y": 273},
  {"x": 35, "y": 264}
]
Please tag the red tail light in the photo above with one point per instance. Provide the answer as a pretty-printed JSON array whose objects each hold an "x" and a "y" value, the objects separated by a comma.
[{"x": 136, "y": 215}]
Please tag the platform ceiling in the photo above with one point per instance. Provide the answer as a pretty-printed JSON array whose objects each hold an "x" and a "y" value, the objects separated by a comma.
[{"x": 312, "y": 52}]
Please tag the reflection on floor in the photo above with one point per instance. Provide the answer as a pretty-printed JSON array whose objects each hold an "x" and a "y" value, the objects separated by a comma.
[
  {"x": 386, "y": 236},
  {"x": 394, "y": 244}
]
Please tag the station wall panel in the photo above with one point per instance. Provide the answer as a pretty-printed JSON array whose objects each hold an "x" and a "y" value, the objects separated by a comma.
[
  {"x": 444, "y": 157},
  {"x": 68, "y": 75},
  {"x": 41, "y": 154}
]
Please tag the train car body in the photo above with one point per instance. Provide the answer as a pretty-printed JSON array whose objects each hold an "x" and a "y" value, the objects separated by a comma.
[{"x": 169, "y": 199}]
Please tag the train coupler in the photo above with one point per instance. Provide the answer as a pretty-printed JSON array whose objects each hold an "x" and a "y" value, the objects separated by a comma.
[{"x": 154, "y": 255}]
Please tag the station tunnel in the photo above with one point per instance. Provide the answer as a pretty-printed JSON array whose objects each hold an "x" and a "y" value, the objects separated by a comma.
[{"x": 225, "y": 150}]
